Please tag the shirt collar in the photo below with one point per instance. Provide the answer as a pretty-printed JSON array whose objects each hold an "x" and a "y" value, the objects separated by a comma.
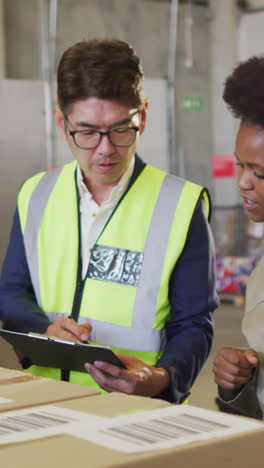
[{"x": 117, "y": 191}]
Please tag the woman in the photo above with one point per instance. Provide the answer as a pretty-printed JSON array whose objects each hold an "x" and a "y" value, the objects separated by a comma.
[{"x": 240, "y": 373}]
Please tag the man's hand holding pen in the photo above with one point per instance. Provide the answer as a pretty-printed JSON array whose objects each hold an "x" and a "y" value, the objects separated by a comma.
[{"x": 68, "y": 329}]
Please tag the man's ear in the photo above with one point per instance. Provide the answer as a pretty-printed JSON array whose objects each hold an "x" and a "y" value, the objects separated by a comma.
[
  {"x": 59, "y": 121},
  {"x": 143, "y": 118}
]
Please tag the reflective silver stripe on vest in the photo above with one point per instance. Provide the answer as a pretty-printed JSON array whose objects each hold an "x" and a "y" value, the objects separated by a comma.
[
  {"x": 36, "y": 209},
  {"x": 119, "y": 336},
  {"x": 141, "y": 336},
  {"x": 156, "y": 245}
]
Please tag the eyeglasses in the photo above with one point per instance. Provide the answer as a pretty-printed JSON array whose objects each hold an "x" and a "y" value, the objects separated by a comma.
[{"x": 89, "y": 139}]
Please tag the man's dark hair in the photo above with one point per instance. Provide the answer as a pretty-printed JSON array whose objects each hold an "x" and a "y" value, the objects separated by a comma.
[
  {"x": 102, "y": 68},
  {"x": 244, "y": 91}
]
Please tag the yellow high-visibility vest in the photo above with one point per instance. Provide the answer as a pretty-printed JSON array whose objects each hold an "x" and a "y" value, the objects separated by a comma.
[{"x": 125, "y": 293}]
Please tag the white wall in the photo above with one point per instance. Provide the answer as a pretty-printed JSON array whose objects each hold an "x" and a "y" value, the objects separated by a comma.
[
  {"x": 251, "y": 35},
  {"x": 23, "y": 143},
  {"x": 153, "y": 144}
]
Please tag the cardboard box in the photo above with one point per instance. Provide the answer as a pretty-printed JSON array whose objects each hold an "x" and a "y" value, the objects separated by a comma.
[
  {"x": 20, "y": 390},
  {"x": 114, "y": 404},
  {"x": 236, "y": 451},
  {"x": 68, "y": 452}
]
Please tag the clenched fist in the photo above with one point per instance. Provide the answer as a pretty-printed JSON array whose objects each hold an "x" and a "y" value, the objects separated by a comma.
[{"x": 234, "y": 368}]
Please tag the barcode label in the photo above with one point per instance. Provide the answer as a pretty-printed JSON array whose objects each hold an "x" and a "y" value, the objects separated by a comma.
[
  {"x": 164, "y": 428},
  {"x": 35, "y": 421},
  {"x": 41, "y": 421},
  {"x": 169, "y": 428}
]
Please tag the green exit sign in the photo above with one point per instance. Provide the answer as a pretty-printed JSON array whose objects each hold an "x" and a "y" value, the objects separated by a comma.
[{"x": 192, "y": 103}]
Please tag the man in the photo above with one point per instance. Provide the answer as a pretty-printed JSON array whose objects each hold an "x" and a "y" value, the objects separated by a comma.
[{"x": 109, "y": 248}]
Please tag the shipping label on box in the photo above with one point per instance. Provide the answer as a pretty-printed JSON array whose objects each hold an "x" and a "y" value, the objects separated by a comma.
[{"x": 162, "y": 428}]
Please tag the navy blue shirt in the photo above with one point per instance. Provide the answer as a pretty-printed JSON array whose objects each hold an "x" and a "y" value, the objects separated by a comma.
[{"x": 192, "y": 296}]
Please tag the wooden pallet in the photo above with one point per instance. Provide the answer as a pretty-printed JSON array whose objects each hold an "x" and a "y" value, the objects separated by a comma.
[{"x": 236, "y": 299}]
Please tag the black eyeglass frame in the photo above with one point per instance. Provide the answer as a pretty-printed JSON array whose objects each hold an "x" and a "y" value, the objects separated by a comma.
[
  {"x": 72, "y": 133},
  {"x": 108, "y": 133}
]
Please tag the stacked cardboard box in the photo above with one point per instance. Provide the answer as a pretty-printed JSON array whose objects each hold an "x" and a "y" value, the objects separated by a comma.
[
  {"x": 21, "y": 390},
  {"x": 117, "y": 430}
]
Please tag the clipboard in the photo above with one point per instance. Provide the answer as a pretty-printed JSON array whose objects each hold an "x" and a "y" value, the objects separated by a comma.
[{"x": 46, "y": 351}]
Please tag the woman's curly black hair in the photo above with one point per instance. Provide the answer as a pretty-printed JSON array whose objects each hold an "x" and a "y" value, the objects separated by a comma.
[{"x": 244, "y": 91}]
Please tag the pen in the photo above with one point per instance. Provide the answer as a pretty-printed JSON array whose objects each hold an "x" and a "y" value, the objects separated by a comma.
[{"x": 83, "y": 342}]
